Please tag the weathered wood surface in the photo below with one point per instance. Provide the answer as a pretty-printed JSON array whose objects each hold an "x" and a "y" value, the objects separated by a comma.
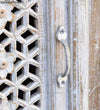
[
  {"x": 79, "y": 75},
  {"x": 55, "y": 63},
  {"x": 59, "y": 11},
  {"x": 85, "y": 80},
  {"x": 82, "y": 22},
  {"x": 83, "y": 25},
  {"x": 50, "y": 53},
  {"x": 94, "y": 55}
]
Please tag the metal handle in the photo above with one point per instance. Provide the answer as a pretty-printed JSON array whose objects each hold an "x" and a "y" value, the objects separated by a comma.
[{"x": 62, "y": 38}]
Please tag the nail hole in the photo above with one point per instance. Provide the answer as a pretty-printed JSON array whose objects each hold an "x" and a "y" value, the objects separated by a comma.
[
  {"x": 63, "y": 82},
  {"x": 62, "y": 31}
]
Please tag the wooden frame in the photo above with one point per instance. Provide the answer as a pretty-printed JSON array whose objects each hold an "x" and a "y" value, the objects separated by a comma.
[
  {"x": 81, "y": 20},
  {"x": 79, "y": 78},
  {"x": 55, "y": 61},
  {"x": 77, "y": 25}
]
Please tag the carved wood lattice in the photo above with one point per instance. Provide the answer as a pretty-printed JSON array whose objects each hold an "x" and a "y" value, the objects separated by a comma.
[{"x": 20, "y": 37}]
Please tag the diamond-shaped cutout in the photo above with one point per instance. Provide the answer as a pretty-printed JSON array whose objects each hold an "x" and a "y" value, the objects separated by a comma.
[
  {"x": 8, "y": 26},
  {"x": 9, "y": 77},
  {"x": 35, "y": 91},
  {"x": 10, "y": 97},
  {"x": 18, "y": 60},
  {"x": 33, "y": 21},
  {"x": 26, "y": 34},
  {"x": 19, "y": 1},
  {"x": 20, "y": 108},
  {"x": 3, "y": 37},
  {"x": 35, "y": 8},
  {"x": 15, "y": 9},
  {"x": 8, "y": 48},
  {"x": 21, "y": 94},
  {"x": 36, "y": 57},
  {"x": 33, "y": 45},
  {"x": 19, "y": 22},
  {"x": 20, "y": 72},
  {"x": 3, "y": 87},
  {"x": 37, "y": 103},
  {"x": 19, "y": 46},
  {"x": 33, "y": 69},
  {"x": 27, "y": 82}
]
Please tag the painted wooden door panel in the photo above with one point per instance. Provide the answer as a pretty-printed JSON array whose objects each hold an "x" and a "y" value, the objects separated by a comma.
[
  {"x": 84, "y": 78},
  {"x": 31, "y": 58},
  {"x": 81, "y": 19}
]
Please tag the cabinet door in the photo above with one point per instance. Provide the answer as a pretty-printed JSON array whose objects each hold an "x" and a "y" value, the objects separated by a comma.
[
  {"x": 81, "y": 20},
  {"x": 31, "y": 58},
  {"x": 21, "y": 55}
]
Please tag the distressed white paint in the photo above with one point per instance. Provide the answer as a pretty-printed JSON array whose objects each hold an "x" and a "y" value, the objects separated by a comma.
[
  {"x": 5, "y": 14},
  {"x": 79, "y": 79},
  {"x": 20, "y": 48},
  {"x": 6, "y": 63},
  {"x": 75, "y": 19}
]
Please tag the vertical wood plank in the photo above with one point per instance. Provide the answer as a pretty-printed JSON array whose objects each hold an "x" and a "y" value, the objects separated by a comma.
[
  {"x": 55, "y": 54},
  {"x": 84, "y": 78},
  {"x": 79, "y": 78},
  {"x": 70, "y": 31},
  {"x": 50, "y": 50},
  {"x": 60, "y": 20},
  {"x": 94, "y": 57},
  {"x": 42, "y": 53}
]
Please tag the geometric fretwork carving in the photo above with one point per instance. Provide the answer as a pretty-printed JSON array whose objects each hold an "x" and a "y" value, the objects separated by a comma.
[{"x": 20, "y": 37}]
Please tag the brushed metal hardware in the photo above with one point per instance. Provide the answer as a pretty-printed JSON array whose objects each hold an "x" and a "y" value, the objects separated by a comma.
[{"x": 61, "y": 36}]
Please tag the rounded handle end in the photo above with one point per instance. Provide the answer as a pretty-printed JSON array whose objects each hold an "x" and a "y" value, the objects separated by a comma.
[{"x": 62, "y": 81}]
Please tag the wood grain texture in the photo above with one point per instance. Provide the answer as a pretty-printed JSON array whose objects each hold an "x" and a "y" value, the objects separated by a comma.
[
  {"x": 85, "y": 80},
  {"x": 79, "y": 74},
  {"x": 94, "y": 57},
  {"x": 42, "y": 55},
  {"x": 50, "y": 53},
  {"x": 84, "y": 25},
  {"x": 84, "y": 17},
  {"x": 60, "y": 20}
]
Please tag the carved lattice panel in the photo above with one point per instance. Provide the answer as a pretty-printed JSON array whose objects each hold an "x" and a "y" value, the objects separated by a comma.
[{"x": 19, "y": 34}]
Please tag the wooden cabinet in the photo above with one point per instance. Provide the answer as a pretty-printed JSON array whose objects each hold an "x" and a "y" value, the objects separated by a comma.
[{"x": 31, "y": 58}]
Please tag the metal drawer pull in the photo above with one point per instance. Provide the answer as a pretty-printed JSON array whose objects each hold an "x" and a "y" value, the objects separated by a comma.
[{"x": 62, "y": 38}]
